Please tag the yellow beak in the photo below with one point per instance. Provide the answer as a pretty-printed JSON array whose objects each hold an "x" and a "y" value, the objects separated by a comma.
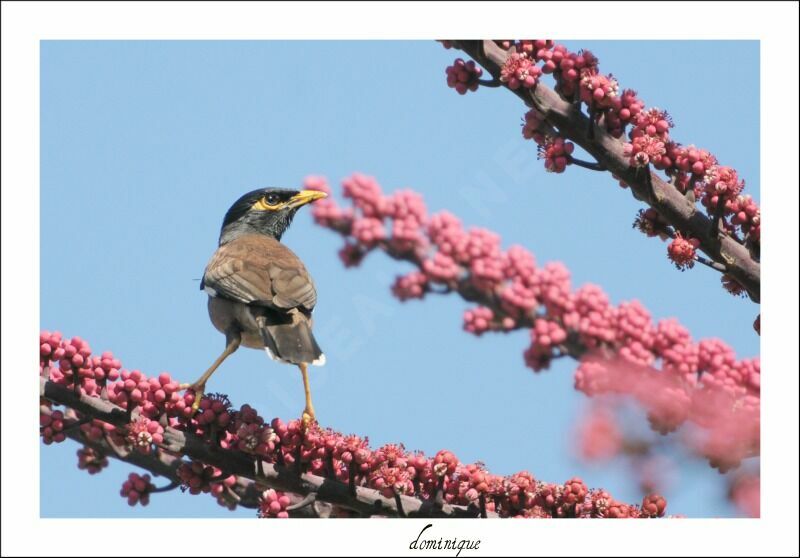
[{"x": 305, "y": 196}]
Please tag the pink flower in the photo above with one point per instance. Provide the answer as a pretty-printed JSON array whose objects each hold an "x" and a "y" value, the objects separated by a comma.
[
  {"x": 644, "y": 150},
  {"x": 746, "y": 215},
  {"x": 137, "y": 489},
  {"x": 368, "y": 231},
  {"x": 478, "y": 320},
  {"x": 463, "y": 76},
  {"x": 91, "y": 461},
  {"x": 574, "y": 492},
  {"x": 518, "y": 298},
  {"x": 445, "y": 463},
  {"x": 532, "y": 122},
  {"x": 648, "y": 222},
  {"x": 52, "y": 427},
  {"x": 548, "y": 333},
  {"x": 694, "y": 160},
  {"x": 599, "y": 436},
  {"x": 144, "y": 434},
  {"x": 131, "y": 390},
  {"x": 519, "y": 71},
  {"x": 556, "y": 153},
  {"x": 273, "y": 504},
  {"x": 682, "y": 251},
  {"x": 654, "y": 505},
  {"x": 745, "y": 493},
  {"x": 598, "y": 90},
  {"x": 412, "y": 285},
  {"x": 594, "y": 378},
  {"x": 441, "y": 268},
  {"x": 366, "y": 194},
  {"x": 653, "y": 122}
]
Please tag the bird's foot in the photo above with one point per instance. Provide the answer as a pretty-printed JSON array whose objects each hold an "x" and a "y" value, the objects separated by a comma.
[
  {"x": 308, "y": 418},
  {"x": 199, "y": 390}
]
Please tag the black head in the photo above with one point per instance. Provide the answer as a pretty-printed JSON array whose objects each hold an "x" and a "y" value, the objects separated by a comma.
[{"x": 266, "y": 211}]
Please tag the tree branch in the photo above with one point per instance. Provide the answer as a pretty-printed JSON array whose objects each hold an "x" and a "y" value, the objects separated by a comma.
[
  {"x": 608, "y": 151},
  {"x": 365, "y": 501},
  {"x": 587, "y": 164},
  {"x": 159, "y": 463}
]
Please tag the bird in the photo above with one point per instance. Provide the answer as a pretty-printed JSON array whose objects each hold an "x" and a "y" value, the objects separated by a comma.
[{"x": 260, "y": 294}]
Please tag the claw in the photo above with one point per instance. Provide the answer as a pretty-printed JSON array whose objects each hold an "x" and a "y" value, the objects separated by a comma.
[
  {"x": 199, "y": 390},
  {"x": 308, "y": 418},
  {"x": 198, "y": 396}
]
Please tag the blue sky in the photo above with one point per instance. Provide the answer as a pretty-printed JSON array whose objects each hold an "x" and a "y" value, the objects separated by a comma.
[{"x": 144, "y": 145}]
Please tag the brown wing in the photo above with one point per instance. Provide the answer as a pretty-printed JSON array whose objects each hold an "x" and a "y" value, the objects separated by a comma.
[{"x": 257, "y": 269}]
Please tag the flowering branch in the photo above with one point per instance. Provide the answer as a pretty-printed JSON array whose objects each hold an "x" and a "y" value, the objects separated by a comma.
[
  {"x": 577, "y": 79},
  {"x": 159, "y": 462},
  {"x": 166, "y": 462},
  {"x": 242, "y": 460},
  {"x": 619, "y": 348}
]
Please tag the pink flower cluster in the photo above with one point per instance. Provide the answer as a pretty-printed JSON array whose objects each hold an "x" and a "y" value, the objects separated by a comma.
[
  {"x": 625, "y": 110},
  {"x": 137, "y": 489},
  {"x": 745, "y": 493},
  {"x": 144, "y": 434},
  {"x": 568, "y": 68},
  {"x": 520, "y": 71},
  {"x": 531, "y": 126},
  {"x": 732, "y": 286},
  {"x": 719, "y": 396},
  {"x": 389, "y": 469},
  {"x": 203, "y": 479},
  {"x": 649, "y": 222},
  {"x": 326, "y": 211},
  {"x": 513, "y": 292},
  {"x": 161, "y": 395},
  {"x": 533, "y": 46},
  {"x": 645, "y": 149},
  {"x": 130, "y": 391},
  {"x": 556, "y": 153},
  {"x": 214, "y": 411},
  {"x": 52, "y": 427},
  {"x": 747, "y": 215},
  {"x": 599, "y": 91},
  {"x": 599, "y": 436},
  {"x": 74, "y": 361},
  {"x": 463, "y": 76},
  {"x": 96, "y": 430},
  {"x": 91, "y": 460},
  {"x": 554, "y": 150},
  {"x": 273, "y": 504},
  {"x": 252, "y": 435},
  {"x": 683, "y": 251},
  {"x": 412, "y": 285}
]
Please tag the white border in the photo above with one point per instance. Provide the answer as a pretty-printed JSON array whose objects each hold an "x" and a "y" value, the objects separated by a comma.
[{"x": 775, "y": 24}]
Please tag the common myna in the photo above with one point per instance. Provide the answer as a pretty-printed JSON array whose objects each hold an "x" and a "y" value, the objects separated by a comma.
[{"x": 259, "y": 292}]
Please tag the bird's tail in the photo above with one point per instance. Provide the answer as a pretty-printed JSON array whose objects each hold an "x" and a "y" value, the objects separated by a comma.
[{"x": 293, "y": 343}]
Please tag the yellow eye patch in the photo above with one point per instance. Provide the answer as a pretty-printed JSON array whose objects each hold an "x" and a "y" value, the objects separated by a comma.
[{"x": 263, "y": 205}]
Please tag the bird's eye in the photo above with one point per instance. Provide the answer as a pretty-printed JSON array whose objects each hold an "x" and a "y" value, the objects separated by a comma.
[{"x": 269, "y": 202}]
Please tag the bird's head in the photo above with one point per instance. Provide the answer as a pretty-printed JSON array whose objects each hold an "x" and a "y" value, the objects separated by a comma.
[{"x": 267, "y": 211}]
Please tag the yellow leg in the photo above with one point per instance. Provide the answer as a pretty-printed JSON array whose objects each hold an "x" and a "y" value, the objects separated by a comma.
[
  {"x": 199, "y": 387},
  {"x": 308, "y": 412}
]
